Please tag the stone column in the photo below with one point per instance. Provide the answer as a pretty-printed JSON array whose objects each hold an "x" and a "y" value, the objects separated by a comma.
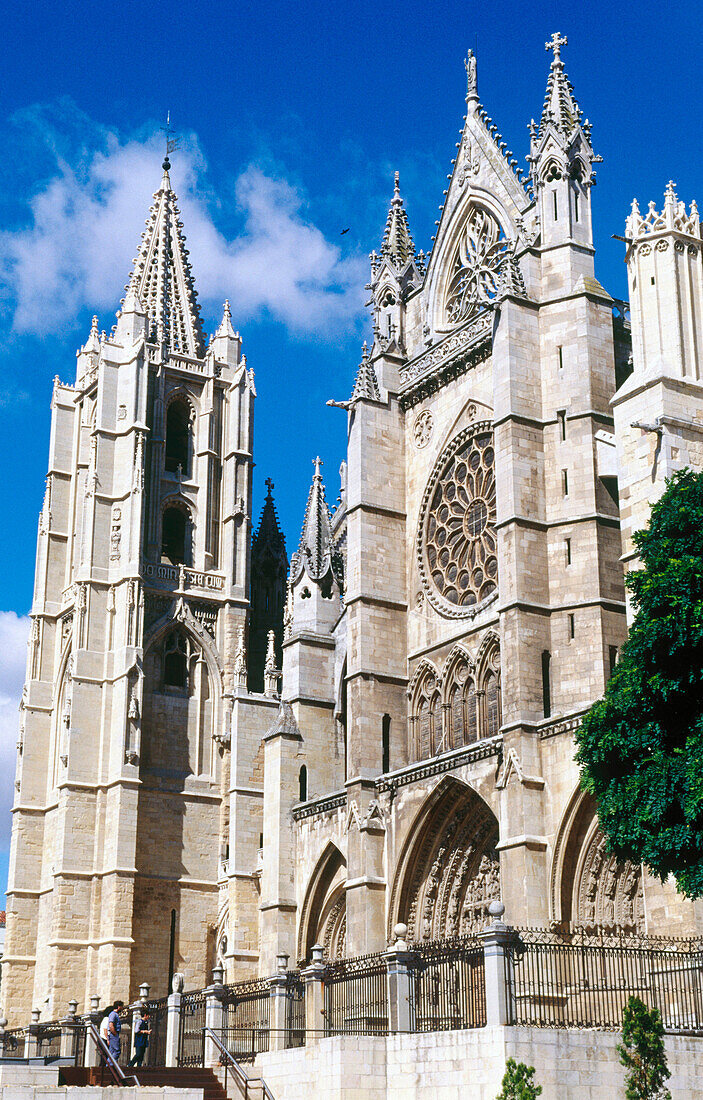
[
  {"x": 498, "y": 939},
  {"x": 173, "y": 1021},
  {"x": 401, "y": 991},
  {"x": 278, "y": 1000},
  {"x": 31, "y": 1046},
  {"x": 68, "y": 1031},
  {"x": 92, "y": 1054},
  {"x": 214, "y": 1016},
  {"x": 314, "y": 978}
]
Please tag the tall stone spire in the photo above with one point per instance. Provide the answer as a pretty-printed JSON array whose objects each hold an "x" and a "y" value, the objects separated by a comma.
[
  {"x": 366, "y": 383},
  {"x": 269, "y": 567},
  {"x": 397, "y": 243},
  {"x": 162, "y": 281},
  {"x": 314, "y": 548},
  {"x": 560, "y": 107}
]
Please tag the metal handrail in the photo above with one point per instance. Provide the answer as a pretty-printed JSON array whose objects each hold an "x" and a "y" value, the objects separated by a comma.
[
  {"x": 230, "y": 1061},
  {"x": 120, "y": 1077}
]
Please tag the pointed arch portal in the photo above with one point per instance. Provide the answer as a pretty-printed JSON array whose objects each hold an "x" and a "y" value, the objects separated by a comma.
[{"x": 449, "y": 871}]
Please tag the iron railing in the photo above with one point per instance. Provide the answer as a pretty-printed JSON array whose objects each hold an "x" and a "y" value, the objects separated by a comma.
[
  {"x": 49, "y": 1040},
  {"x": 356, "y": 996},
  {"x": 247, "y": 1018},
  {"x": 190, "y": 1031},
  {"x": 13, "y": 1042},
  {"x": 295, "y": 1010},
  {"x": 579, "y": 981},
  {"x": 449, "y": 985},
  {"x": 156, "y": 1050}
]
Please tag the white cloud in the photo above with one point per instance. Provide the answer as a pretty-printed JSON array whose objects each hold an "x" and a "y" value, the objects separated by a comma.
[
  {"x": 14, "y": 631},
  {"x": 83, "y": 227}
]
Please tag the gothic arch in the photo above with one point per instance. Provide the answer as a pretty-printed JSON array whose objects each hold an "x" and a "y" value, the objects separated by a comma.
[
  {"x": 426, "y": 727},
  {"x": 449, "y": 870},
  {"x": 460, "y": 698},
  {"x": 477, "y": 199},
  {"x": 323, "y": 915},
  {"x": 589, "y": 887}
]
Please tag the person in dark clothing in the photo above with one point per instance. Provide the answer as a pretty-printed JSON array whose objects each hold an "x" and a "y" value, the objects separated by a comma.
[{"x": 141, "y": 1039}]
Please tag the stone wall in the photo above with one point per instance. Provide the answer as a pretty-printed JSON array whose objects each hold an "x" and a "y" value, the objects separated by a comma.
[{"x": 454, "y": 1065}]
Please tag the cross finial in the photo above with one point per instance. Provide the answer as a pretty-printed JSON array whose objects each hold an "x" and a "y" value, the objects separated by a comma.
[
  {"x": 171, "y": 140},
  {"x": 555, "y": 43},
  {"x": 317, "y": 462},
  {"x": 269, "y": 485}
]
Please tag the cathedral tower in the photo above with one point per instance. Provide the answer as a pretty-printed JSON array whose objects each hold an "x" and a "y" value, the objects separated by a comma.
[{"x": 141, "y": 592}]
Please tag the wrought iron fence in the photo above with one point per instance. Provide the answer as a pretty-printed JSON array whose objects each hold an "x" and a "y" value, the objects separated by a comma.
[
  {"x": 449, "y": 985},
  {"x": 356, "y": 996},
  {"x": 49, "y": 1040},
  {"x": 247, "y": 1018},
  {"x": 190, "y": 1031},
  {"x": 13, "y": 1042},
  {"x": 573, "y": 980},
  {"x": 295, "y": 1010},
  {"x": 156, "y": 1050},
  {"x": 80, "y": 1032}
]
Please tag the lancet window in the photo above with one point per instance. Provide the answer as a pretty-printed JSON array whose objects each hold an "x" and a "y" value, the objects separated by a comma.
[
  {"x": 427, "y": 716},
  {"x": 475, "y": 268},
  {"x": 461, "y": 706},
  {"x": 178, "y": 437},
  {"x": 176, "y": 535}
]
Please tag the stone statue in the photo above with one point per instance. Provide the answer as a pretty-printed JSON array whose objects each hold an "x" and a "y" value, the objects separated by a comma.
[{"x": 471, "y": 75}]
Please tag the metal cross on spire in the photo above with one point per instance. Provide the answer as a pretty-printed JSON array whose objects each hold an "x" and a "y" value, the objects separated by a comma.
[{"x": 555, "y": 43}]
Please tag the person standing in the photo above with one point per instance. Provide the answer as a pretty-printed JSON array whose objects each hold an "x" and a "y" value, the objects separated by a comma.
[
  {"x": 141, "y": 1039},
  {"x": 114, "y": 1028}
]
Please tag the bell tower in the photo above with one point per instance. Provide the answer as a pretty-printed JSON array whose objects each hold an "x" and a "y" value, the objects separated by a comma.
[{"x": 141, "y": 591}]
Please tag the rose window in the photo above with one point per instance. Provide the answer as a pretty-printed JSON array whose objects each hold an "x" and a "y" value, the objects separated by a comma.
[
  {"x": 476, "y": 267},
  {"x": 458, "y": 559}
]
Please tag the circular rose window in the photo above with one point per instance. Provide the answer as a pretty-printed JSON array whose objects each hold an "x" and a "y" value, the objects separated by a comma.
[{"x": 457, "y": 542}]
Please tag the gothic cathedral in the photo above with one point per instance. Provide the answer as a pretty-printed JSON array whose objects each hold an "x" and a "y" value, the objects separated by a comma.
[{"x": 224, "y": 756}]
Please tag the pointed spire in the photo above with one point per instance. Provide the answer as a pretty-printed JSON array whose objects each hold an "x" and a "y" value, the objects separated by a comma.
[
  {"x": 162, "y": 280},
  {"x": 269, "y": 533},
  {"x": 225, "y": 327},
  {"x": 92, "y": 344},
  {"x": 397, "y": 241},
  {"x": 366, "y": 384},
  {"x": 315, "y": 549},
  {"x": 560, "y": 107}
]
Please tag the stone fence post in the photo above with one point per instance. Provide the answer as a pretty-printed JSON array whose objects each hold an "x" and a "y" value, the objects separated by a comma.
[
  {"x": 314, "y": 978},
  {"x": 136, "y": 1008},
  {"x": 498, "y": 940},
  {"x": 173, "y": 1021},
  {"x": 69, "y": 1023},
  {"x": 401, "y": 991},
  {"x": 214, "y": 1016},
  {"x": 278, "y": 1002},
  {"x": 31, "y": 1046},
  {"x": 92, "y": 1054}
]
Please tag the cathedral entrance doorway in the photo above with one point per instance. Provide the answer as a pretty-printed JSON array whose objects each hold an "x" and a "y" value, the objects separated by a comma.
[{"x": 449, "y": 871}]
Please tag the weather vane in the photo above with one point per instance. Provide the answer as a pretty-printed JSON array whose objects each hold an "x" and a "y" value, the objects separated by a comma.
[{"x": 172, "y": 141}]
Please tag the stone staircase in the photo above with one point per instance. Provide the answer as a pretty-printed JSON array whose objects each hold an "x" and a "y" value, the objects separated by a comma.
[{"x": 182, "y": 1077}]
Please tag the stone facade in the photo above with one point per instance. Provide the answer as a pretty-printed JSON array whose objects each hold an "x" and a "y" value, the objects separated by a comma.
[{"x": 203, "y": 778}]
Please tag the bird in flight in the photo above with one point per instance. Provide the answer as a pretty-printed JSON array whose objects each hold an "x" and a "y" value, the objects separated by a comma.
[{"x": 345, "y": 231}]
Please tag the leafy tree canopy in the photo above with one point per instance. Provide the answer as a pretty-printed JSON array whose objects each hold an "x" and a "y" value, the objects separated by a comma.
[
  {"x": 642, "y": 1052},
  {"x": 641, "y": 746},
  {"x": 518, "y": 1082}
]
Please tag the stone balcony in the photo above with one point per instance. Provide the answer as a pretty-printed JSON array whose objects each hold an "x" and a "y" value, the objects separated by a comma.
[{"x": 181, "y": 578}]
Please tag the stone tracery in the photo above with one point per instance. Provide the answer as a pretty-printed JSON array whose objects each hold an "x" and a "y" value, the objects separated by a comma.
[{"x": 475, "y": 269}]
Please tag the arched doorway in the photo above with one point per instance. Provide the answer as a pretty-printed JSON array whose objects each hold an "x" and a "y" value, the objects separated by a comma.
[
  {"x": 449, "y": 871},
  {"x": 324, "y": 914}
]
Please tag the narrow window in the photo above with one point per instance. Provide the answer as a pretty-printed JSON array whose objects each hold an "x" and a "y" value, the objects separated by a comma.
[
  {"x": 565, "y": 482},
  {"x": 652, "y": 280},
  {"x": 178, "y": 438},
  {"x": 567, "y": 550},
  {"x": 576, "y": 205},
  {"x": 386, "y": 744},
  {"x": 613, "y": 657},
  {"x": 560, "y": 355},
  {"x": 175, "y": 537},
  {"x": 556, "y": 209},
  {"x": 561, "y": 421},
  {"x": 176, "y": 661},
  {"x": 261, "y": 840},
  {"x": 572, "y": 625},
  {"x": 172, "y": 948},
  {"x": 546, "y": 683},
  {"x": 302, "y": 785}
]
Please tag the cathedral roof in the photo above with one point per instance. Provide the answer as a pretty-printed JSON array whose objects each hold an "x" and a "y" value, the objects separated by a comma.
[
  {"x": 162, "y": 281},
  {"x": 560, "y": 107},
  {"x": 397, "y": 243}
]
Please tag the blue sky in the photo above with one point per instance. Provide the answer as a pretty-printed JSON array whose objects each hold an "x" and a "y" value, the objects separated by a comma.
[{"x": 293, "y": 118}]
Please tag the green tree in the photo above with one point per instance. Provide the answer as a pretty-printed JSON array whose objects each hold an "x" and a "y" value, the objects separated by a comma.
[
  {"x": 518, "y": 1082},
  {"x": 642, "y": 1052},
  {"x": 641, "y": 746}
]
